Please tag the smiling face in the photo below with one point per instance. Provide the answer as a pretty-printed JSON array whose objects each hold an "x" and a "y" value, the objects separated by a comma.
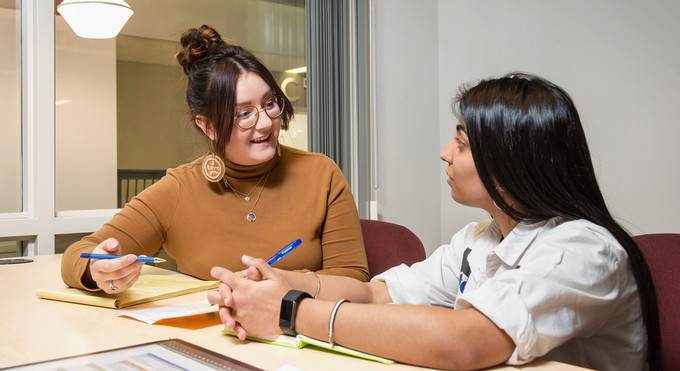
[
  {"x": 466, "y": 186},
  {"x": 257, "y": 144}
]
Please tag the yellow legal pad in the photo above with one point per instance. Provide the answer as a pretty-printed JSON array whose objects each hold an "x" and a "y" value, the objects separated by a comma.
[{"x": 147, "y": 288}]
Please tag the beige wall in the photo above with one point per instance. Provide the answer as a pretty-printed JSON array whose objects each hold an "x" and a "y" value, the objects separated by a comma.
[
  {"x": 10, "y": 113},
  {"x": 85, "y": 128},
  {"x": 153, "y": 128}
]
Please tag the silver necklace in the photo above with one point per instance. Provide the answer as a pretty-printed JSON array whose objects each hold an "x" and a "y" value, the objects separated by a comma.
[
  {"x": 245, "y": 196},
  {"x": 250, "y": 217}
]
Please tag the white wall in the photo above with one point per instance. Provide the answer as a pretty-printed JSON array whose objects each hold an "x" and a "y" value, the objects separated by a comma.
[
  {"x": 620, "y": 60},
  {"x": 407, "y": 97}
]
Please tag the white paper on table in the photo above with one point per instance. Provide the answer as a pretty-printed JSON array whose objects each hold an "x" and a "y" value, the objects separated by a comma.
[
  {"x": 152, "y": 315},
  {"x": 287, "y": 367}
]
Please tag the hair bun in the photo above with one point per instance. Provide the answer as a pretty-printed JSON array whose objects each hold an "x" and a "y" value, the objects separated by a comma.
[{"x": 198, "y": 44}]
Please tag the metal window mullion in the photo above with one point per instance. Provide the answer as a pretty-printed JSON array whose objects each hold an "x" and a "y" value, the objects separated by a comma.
[
  {"x": 353, "y": 104},
  {"x": 373, "y": 130}
]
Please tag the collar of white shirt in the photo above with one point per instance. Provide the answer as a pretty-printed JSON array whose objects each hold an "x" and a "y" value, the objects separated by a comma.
[{"x": 512, "y": 248}]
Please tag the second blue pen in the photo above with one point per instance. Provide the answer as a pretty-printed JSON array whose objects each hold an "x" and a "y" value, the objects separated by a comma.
[{"x": 283, "y": 252}]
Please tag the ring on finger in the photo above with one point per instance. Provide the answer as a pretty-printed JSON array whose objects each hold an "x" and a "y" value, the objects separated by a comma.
[{"x": 113, "y": 287}]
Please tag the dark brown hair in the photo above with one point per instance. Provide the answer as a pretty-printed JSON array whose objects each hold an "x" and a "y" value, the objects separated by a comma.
[{"x": 212, "y": 67}]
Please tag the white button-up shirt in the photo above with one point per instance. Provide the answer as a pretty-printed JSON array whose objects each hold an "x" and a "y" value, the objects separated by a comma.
[{"x": 561, "y": 290}]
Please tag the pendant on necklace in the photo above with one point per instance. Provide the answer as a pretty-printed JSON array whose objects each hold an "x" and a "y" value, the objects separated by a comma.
[
  {"x": 247, "y": 198},
  {"x": 251, "y": 217}
]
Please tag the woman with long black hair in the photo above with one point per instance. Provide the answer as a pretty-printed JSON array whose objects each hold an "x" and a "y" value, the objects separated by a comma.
[{"x": 551, "y": 275}]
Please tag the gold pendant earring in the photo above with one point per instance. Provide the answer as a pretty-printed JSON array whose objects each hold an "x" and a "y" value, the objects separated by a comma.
[{"x": 213, "y": 168}]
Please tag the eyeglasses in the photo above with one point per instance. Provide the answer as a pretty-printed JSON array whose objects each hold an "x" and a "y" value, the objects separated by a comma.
[{"x": 247, "y": 117}]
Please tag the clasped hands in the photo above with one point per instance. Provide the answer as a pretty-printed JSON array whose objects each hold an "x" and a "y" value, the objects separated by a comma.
[{"x": 249, "y": 305}]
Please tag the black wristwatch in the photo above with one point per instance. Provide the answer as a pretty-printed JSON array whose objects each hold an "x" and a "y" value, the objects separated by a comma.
[{"x": 289, "y": 306}]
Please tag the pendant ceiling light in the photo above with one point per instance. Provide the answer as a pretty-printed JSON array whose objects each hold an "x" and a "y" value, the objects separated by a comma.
[{"x": 95, "y": 19}]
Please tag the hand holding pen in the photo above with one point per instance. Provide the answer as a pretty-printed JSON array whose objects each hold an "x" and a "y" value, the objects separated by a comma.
[
  {"x": 252, "y": 296},
  {"x": 143, "y": 259},
  {"x": 111, "y": 271},
  {"x": 282, "y": 253}
]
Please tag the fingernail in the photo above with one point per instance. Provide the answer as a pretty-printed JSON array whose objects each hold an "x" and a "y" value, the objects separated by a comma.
[{"x": 246, "y": 258}]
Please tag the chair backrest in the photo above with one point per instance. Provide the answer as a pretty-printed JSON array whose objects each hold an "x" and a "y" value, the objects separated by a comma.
[
  {"x": 388, "y": 245},
  {"x": 662, "y": 253},
  {"x": 132, "y": 182}
]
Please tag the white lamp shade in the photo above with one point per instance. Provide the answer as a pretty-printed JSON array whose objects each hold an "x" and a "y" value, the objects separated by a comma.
[{"x": 95, "y": 19}]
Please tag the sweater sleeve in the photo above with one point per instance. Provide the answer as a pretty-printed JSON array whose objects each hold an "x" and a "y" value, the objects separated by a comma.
[
  {"x": 342, "y": 243},
  {"x": 140, "y": 228}
]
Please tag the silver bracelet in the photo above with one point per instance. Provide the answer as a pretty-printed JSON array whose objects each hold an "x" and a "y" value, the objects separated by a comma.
[
  {"x": 332, "y": 320},
  {"x": 318, "y": 284}
]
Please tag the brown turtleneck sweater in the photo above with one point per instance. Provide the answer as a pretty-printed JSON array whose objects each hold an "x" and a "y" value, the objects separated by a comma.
[{"x": 202, "y": 224}]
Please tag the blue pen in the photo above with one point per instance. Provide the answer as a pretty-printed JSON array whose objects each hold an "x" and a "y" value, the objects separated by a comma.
[
  {"x": 143, "y": 259},
  {"x": 283, "y": 252}
]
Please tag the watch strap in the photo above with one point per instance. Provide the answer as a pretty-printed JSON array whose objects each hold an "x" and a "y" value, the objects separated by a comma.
[{"x": 289, "y": 305}]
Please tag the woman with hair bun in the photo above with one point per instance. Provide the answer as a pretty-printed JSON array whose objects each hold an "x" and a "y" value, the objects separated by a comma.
[
  {"x": 551, "y": 275},
  {"x": 248, "y": 195}
]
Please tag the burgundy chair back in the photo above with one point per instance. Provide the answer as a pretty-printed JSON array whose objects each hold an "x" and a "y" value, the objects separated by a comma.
[
  {"x": 662, "y": 253},
  {"x": 388, "y": 245}
]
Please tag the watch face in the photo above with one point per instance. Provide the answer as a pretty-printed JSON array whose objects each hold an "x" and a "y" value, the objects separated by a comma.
[{"x": 286, "y": 311}]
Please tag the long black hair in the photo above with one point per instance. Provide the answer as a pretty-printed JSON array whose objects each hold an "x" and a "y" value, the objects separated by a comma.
[{"x": 526, "y": 138}]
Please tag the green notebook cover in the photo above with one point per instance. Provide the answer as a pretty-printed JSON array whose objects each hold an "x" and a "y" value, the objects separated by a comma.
[{"x": 302, "y": 341}]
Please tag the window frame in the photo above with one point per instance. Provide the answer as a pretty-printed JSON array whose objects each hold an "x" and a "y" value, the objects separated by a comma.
[{"x": 38, "y": 223}]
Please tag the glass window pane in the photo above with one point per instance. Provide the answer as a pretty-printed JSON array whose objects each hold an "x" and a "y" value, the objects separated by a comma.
[
  {"x": 120, "y": 102},
  {"x": 276, "y": 34},
  {"x": 85, "y": 121},
  {"x": 9, "y": 249},
  {"x": 10, "y": 108},
  {"x": 62, "y": 241}
]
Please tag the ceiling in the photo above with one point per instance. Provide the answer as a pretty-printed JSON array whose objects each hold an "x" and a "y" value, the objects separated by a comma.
[
  {"x": 271, "y": 29},
  {"x": 274, "y": 30}
]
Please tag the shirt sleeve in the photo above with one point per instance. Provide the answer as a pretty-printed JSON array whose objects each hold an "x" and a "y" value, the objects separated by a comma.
[
  {"x": 433, "y": 281},
  {"x": 565, "y": 287},
  {"x": 342, "y": 243},
  {"x": 140, "y": 228}
]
